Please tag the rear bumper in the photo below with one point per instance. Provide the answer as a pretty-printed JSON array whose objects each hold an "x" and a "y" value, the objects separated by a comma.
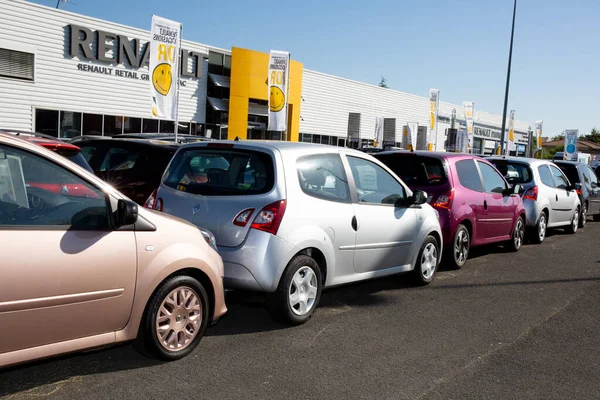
[
  {"x": 532, "y": 212},
  {"x": 257, "y": 264},
  {"x": 446, "y": 226}
]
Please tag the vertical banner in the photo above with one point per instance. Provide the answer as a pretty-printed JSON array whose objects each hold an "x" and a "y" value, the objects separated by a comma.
[
  {"x": 571, "y": 138},
  {"x": 510, "y": 142},
  {"x": 469, "y": 119},
  {"x": 379, "y": 131},
  {"x": 279, "y": 66},
  {"x": 434, "y": 102},
  {"x": 413, "y": 128},
  {"x": 165, "y": 48},
  {"x": 538, "y": 134}
]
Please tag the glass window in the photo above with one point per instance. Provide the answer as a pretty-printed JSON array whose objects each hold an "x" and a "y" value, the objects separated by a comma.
[
  {"x": 341, "y": 142},
  {"x": 561, "y": 180},
  {"x": 37, "y": 192},
  {"x": 468, "y": 175},
  {"x": 119, "y": 159},
  {"x": 546, "y": 175},
  {"x": 112, "y": 126},
  {"x": 132, "y": 125},
  {"x": 592, "y": 177},
  {"x": 221, "y": 172},
  {"x": 316, "y": 138},
  {"x": 416, "y": 170},
  {"x": 322, "y": 176},
  {"x": 167, "y": 126},
  {"x": 374, "y": 184},
  {"x": 570, "y": 170},
  {"x": 514, "y": 172},
  {"x": 70, "y": 124},
  {"x": 492, "y": 180},
  {"x": 46, "y": 121},
  {"x": 92, "y": 124},
  {"x": 149, "y": 125}
]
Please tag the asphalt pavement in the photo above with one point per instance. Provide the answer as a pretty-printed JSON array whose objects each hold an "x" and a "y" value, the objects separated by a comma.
[{"x": 506, "y": 325}]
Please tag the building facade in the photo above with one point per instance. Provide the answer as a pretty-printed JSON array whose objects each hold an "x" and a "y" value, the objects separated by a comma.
[{"x": 66, "y": 74}]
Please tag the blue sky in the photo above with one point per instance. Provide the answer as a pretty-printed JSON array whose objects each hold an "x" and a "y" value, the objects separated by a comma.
[{"x": 457, "y": 46}]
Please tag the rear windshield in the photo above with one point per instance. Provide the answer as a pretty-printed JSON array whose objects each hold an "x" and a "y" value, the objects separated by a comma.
[
  {"x": 571, "y": 172},
  {"x": 514, "y": 172},
  {"x": 221, "y": 172},
  {"x": 416, "y": 170}
]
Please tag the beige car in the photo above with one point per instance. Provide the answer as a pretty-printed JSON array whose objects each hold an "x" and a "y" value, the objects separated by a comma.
[{"x": 81, "y": 266}]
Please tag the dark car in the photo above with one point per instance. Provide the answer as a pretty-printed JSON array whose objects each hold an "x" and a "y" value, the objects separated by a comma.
[
  {"x": 132, "y": 166},
  {"x": 475, "y": 204},
  {"x": 169, "y": 137},
  {"x": 589, "y": 193}
]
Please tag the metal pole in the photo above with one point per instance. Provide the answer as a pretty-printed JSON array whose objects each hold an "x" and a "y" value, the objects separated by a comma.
[
  {"x": 179, "y": 58},
  {"x": 512, "y": 33}
]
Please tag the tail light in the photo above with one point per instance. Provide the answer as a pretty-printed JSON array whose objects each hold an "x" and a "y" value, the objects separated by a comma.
[
  {"x": 269, "y": 218},
  {"x": 153, "y": 202},
  {"x": 243, "y": 217},
  {"x": 445, "y": 200},
  {"x": 531, "y": 194}
]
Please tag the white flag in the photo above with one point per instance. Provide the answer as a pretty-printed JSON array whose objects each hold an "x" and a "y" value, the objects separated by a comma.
[
  {"x": 510, "y": 143},
  {"x": 538, "y": 134},
  {"x": 279, "y": 66},
  {"x": 413, "y": 128},
  {"x": 469, "y": 119},
  {"x": 434, "y": 103},
  {"x": 165, "y": 47},
  {"x": 379, "y": 131}
]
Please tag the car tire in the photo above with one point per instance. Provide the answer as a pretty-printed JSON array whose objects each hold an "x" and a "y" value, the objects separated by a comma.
[
  {"x": 298, "y": 293},
  {"x": 538, "y": 234},
  {"x": 185, "y": 300},
  {"x": 458, "y": 254},
  {"x": 516, "y": 240},
  {"x": 583, "y": 216},
  {"x": 596, "y": 217},
  {"x": 427, "y": 262},
  {"x": 572, "y": 228}
]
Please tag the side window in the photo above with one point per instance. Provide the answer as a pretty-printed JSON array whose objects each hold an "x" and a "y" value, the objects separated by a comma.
[
  {"x": 59, "y": 198},
  {"x": 492, "y": 180},
  {"x": 119, "y": 159},
  {"x": 322, "y": 176},
  {"x": 561, "y": 180},
  {"x": 546, "y": 175},
  {"x": 591, "y": 176},
  {"x": 374, "y": 184},
  {"x": 468, "y": 175}
]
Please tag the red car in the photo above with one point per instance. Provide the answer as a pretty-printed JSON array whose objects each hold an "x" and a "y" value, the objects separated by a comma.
[{"x": 41, "y": 179}]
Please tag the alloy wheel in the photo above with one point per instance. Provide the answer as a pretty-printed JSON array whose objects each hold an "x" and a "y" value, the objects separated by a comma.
[
  {"x": 303, "y": 291},
  {"x": 179, "y": 319},
  {"x": 576, "y": 220},
  {"x": 519, "y": 234},
  {"x": 583, "y": 216},
  {"x": 429, "y": 261},
  {"x": 461, "y": 247},
  {"x": 542, "y": 227}
]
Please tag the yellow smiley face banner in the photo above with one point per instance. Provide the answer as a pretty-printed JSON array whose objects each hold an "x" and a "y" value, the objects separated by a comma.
[
  {"x": 510, "y": 143},
  {"x": 165, "y": 46},
  {"x": 279, "y": 66},
  {"x": 469, "y": 119},
  {"x": 538, "y": 133},
  {"x": 434, "y": 103}
]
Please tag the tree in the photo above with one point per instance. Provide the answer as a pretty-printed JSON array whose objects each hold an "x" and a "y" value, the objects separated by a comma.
[
  {"x": 593, "y": 136},
  {"x": 383, "y": 83}
]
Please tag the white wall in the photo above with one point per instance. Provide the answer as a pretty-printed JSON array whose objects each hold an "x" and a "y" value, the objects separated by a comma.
[
  {"x": 328, "y": 100},
  {"x": 59, "y": 85}
]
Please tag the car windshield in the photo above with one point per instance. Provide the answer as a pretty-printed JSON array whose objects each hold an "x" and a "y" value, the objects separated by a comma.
[
  {"x": 416, "y": 170},
  {"x": 514, "y": 172},
  {"x": 207, "y": 171},
  {"x": 570, "y": 171}
]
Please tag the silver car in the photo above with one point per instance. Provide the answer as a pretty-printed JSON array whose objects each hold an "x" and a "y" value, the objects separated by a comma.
[
  {"x": 550, "y": 200},
  {"x": 292, "y": 218}
]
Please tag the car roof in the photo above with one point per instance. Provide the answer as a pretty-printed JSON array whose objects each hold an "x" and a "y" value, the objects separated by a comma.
[
  {"x": 282, "y": 146},
  {"x": 40, "y": 139},
  {"x": 565, "y": 162},
  {"x": 425, "y": 153},
  {"x": 139, "y": 142},
  {"x": 522, "y": 160}
]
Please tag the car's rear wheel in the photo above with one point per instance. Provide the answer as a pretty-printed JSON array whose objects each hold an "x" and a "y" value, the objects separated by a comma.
[
  {"x": 427, "y": 261},
  {"x": 516, "y": 241},
  {"x": 175, "y": 319},
  {"x": 583, "y": 216},
  {"x": 572, "y": 228},
  {"x": 538, "y": 234},
  {"x": 298, "y": 293},
  {"x": 460, "y": 247}
]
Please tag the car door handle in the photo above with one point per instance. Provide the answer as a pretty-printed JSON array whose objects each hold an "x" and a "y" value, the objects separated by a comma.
[
  {"x": 485, "y": 205},
  {"x": 354, "y": 223},
  {"x": 556, "y": 197}
]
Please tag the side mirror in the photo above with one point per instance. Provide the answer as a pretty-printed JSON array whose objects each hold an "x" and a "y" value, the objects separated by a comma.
[
  {"x": 518, "y": 189},
  {"x": 127, "y": 213},
  {"x": 577, "y": 187},
  {"x": 419, "y": 197}
]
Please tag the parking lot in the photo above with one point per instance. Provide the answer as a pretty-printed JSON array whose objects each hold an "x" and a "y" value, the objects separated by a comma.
[{"x": 523, "y": 325}]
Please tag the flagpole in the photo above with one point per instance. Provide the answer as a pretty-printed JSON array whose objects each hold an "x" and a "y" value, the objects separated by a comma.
[{"x": 179, "y": 66}]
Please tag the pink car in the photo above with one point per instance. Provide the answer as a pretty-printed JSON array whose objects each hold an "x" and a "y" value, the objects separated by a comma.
[
  {"x": 475, "y": 203},
  {"x": 88, "y": 271}
]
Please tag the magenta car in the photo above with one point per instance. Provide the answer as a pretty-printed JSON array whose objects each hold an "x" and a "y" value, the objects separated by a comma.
[{"x": 475, "y": 203}]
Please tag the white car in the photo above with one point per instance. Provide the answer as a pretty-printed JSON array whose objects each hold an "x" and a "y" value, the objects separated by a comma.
[{"x": 293, "y": 218}]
